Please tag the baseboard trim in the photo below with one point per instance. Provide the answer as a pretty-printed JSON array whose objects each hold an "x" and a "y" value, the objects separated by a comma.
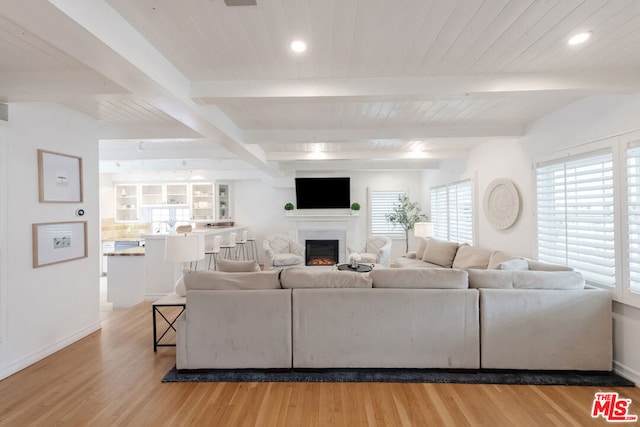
[
  {"x": 36, "y": 356},
  {"x": 154, "y": 297},
  {"x": 626, "y": 372}
]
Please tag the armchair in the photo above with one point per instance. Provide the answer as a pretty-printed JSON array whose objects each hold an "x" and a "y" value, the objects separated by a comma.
[
  {"x": 282, "y": 251},
  {"x": 376, "y": 249}
]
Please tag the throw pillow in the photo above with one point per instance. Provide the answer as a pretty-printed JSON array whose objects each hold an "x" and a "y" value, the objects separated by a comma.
[
  {"x": 498, "y": 257},
  {"x": 514, "y": 264},
  {"x": 237, "y": 266},
  {"x": 470, "y": 257},
  {"x": 440, "y": 252},
  {"x": 216, "y": 280},
  {"x": 421, "y": 247}
]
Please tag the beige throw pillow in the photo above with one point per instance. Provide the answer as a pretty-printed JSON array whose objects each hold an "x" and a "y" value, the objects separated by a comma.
[
  {"x": 440, "y": 252},
  {"x": 421, "y": 247},
  {"x": 470, "y": 257}
]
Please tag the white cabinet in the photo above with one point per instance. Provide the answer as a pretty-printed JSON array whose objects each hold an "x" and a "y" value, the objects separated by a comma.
[
  {"x": 223, "y": 201},
  {"x": 126, "y": 203},
  {"x": 164, "y": 194},
  {"x": 202, "y": 202}
]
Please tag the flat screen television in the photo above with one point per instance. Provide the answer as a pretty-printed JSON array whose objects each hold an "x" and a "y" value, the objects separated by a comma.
[{"x": 323, "y": 193}]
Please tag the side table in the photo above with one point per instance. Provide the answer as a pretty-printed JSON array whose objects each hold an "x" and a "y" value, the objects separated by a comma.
[{"x": 169, "y": 316}]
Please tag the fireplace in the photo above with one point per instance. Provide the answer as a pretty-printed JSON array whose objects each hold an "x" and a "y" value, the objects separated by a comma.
[{"x": 321, "y": 252}]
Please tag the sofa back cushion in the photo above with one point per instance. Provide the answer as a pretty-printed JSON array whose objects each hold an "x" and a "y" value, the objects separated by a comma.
[
  {"x": 216, "y": 280},
  {"x": 518, "y": 279},
  {"x": 471, "y": 257},
  {"x": 228, "y": 265},
  {"x": 420, "y": 278},
  {"x": 440, "y": 252},
  {"x": 310, "y": 277},
  {"x": 544, "y": 266}
]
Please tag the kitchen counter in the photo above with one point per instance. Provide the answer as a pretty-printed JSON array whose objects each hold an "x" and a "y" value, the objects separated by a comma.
[
  {"x": 137, "y": 251},
  {"x": 210, "y": 231}
]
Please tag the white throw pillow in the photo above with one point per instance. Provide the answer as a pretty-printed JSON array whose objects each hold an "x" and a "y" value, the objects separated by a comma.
[
  {"x": 237, "y": 266},
  {"x": 514, "y": 264}
]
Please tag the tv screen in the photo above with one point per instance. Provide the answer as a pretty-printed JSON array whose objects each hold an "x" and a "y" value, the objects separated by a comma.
[{"x": 323, "y": 193}]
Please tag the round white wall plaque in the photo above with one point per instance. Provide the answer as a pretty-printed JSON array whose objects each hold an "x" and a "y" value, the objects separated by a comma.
[{"x": 501, "y": 203}]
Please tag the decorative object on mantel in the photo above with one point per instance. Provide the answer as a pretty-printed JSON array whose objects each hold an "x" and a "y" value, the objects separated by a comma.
[
  {"x": 289, "y": 207},
  {"x": 502, "y": 203},
  {"x": 407, "y": 214},
  {"x": 355, "y": 208}
]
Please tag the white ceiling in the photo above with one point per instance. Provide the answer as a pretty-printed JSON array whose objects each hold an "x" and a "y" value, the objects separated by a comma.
[{"x": 384, "y": 83}]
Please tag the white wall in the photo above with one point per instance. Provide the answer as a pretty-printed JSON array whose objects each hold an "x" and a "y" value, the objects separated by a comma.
[
  {"x": 53, "y": 306},
  {"x": 586, "y": 121},
  {"x": 260, "y": 204}
]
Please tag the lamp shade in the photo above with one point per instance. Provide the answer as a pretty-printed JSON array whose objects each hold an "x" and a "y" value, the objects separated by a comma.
[
  {"x": 423, "y": 229},
  {"x": 184, "y": 247}
]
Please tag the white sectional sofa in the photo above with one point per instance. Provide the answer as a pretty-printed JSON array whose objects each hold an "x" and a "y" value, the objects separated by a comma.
[{"x": 440, "y": 317}]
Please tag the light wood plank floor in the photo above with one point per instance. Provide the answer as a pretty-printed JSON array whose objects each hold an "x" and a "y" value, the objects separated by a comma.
[{"x": 113, "y": 378}]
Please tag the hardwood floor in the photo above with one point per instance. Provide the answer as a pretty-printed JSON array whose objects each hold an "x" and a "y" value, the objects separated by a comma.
[{"x": 113, "y": 378}]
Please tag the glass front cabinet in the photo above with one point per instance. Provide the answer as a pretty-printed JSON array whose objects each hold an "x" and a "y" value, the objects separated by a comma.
[
  {"x": 223, "y": 202},
  {"x": 202, "y": 202},
  {"x": 126, "y": 203}
]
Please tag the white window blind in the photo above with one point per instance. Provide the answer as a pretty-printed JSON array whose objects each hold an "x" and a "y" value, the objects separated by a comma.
[
  {"x": 382, "y": 203},
  {"x": 452, "y": 212},
  {"x": 575, "y": 215},
  {"x": 633, "y": 213},
  {"x": 439, "y": 212}
]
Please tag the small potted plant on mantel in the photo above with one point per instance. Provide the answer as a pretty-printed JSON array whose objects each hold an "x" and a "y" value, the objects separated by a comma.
[
  {"x": 288, "y": 208},
  {"x": 355, "y": 208}
]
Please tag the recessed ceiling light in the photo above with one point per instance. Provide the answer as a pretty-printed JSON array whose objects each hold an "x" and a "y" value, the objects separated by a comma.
[
  {"x": 579, "y": 38},
  {"x": 298, "y": 46}
]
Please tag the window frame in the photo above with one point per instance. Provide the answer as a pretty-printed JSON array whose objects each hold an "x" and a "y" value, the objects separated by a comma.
[
  {"x": 394, "y": 235},
  {"x": 620, "y": 291},
  {"x": 448, "y": 235}
]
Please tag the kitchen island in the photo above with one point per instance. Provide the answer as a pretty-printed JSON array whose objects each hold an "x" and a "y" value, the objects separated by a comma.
[
  {"x": 126, "y": 279},
  {"x": 161, "y": 276}
]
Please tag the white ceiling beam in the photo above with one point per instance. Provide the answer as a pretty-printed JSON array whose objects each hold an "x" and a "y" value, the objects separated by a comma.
[
  {"x": 94, "y": 34},
  {"x": 27, "y": 86},
  {"x": 143, "y": 131},
  {"x": 186, "y": 154},
  {"x": 288, "y": 156},
  {"x": 360, "y": 164},
  {"x": 349, "y": 135},
  {"x": 584, "y": 84}
]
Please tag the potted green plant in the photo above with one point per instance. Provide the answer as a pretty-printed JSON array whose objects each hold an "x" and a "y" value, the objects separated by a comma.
[
  {"x": 355, "y": 207},
  {"x": 288, "y": 207},
  {"x": 406, "y": 213}
]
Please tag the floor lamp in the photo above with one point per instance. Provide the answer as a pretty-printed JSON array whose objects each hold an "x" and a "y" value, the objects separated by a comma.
[{"x": 184, "y": 248}]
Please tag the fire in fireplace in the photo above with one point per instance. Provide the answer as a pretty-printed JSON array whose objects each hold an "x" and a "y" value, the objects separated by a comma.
[{"x": 321, "y": 252}]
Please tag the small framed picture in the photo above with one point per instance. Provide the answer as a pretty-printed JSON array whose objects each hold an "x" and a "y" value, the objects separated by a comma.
[
  {"x": 59, "y": 177},
  {"x": 56, "y": 242}
]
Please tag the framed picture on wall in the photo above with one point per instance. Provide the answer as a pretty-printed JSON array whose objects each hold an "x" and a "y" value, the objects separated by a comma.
[
  {"x": 59, "y": 177},
  {"x": 56, "y": 242}
]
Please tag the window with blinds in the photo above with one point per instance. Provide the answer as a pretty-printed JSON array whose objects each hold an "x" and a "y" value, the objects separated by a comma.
[
  {"x": 575, "y": 215},
  {"x": 633, "y": 213},
  {"x": 452, "y": 212},
  {"x": 381, "y": 203}
]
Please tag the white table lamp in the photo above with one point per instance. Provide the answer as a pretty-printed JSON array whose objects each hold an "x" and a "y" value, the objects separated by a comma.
[
  {"x": 423, "y": 229},
  {"x": 185, "y": 248}
]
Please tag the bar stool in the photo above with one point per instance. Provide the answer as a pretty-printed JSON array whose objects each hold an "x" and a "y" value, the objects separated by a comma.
[
  {"x": 214, "y": 252},
  {"x": 229, "y": 248},
  {"x": 253, "y": 248},
  {"x": 241, "y": 246}
]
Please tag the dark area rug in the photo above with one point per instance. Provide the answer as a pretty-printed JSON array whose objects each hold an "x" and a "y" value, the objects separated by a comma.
[{"x": 578, "y": 378}]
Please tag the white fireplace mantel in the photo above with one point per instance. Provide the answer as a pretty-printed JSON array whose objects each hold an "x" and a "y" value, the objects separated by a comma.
[{"x": 341, "y": 227}]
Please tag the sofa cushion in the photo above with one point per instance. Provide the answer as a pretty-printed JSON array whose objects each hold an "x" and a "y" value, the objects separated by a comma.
[
  {"x": 420, "y": 278},
  {"x": 544, "y": 266},
  {"x": 310, "y": 277},
  {"x": 498, "y": 257},
  {"x": 440, "y": 252},
  {"x": 237, "y": 266},
  {"x": 404, "y": 262},
  {"x": 421, "y": 247},
  {"x": 514, "y": 264},
  {"x": 216, "y": 280},
  {"x": 516, "y": 279},
  {"x": 471, "y": 257}
]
